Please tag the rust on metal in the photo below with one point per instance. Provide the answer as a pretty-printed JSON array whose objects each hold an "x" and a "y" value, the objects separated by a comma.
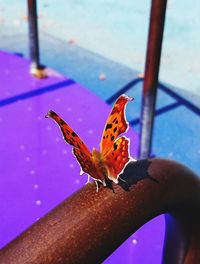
[{"x": 154, "y": 45}]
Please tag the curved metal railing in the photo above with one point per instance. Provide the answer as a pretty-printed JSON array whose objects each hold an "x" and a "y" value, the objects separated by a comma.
[{"x": 88, "y": 226}]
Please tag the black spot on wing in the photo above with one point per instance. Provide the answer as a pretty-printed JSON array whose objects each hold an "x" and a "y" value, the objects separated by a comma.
[
  {"x": 112, "y": 138},
  {"x": 115, "y": 129},
  {"x": 62, "y": 122},
  {"x": 114, "y": 120},
  {"x": 108, "y": 126},
  {"x": 74, "y": 134},
  {"x": 115, "y": 146}
]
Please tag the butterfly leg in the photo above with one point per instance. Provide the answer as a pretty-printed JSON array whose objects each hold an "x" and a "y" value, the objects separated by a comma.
[
  {"x": 121, "y": 179},
  {"x": 97, "y": 184},
  {"x": 88, "y": 180}
]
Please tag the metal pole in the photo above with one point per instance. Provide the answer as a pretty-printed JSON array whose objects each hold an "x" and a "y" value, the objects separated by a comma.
[
  {"x": 33, "y": 36},
  {"x": 156, "y": 28}
]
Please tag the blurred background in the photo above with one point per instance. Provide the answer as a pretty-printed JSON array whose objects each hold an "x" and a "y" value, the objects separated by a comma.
[{"x": 116, "y": 30}]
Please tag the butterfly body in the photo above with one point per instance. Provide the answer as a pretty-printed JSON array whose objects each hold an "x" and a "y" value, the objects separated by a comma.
[
  {"x": 108, "y": 162},
  {"x": 100, "y": 165}
]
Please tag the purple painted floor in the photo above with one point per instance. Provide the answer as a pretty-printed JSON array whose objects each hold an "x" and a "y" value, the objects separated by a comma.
[{"x": 37, "y": 169}]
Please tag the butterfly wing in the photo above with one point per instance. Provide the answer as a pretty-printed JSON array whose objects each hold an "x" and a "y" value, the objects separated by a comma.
[
  {"x": 80, "y": 150},
  {"x": 117, "y": 158},
  {"x": 115, "y": 125}
]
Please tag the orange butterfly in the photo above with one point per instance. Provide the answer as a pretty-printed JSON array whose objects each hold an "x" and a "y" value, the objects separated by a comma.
[{"x": 110, "y": 161}]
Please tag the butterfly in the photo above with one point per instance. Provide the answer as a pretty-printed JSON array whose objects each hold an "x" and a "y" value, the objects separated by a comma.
[{"x": 108, "y": 162}]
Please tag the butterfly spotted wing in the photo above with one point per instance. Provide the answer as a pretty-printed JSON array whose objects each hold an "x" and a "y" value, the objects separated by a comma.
[
  {"x": 117, "y": 158},
  {"x": 116, "y": 150},
  {"x": 116, "y": 124},
  {"x": 80, "y": 150}
]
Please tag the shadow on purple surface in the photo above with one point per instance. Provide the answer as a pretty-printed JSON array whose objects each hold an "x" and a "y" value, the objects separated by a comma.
[
  {"x": 179, "y": 100},
  {"x": 36, "y": 92}
]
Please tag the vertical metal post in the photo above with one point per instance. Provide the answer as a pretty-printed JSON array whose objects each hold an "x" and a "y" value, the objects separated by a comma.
[
  {"x": 156, "y": 28},
  {"x": 33, "y": 36}
]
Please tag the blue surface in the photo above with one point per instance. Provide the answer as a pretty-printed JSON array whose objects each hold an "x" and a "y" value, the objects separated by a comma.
[
  {"x": 176, "y": 137},
  {"x": 117, "y": 30}
]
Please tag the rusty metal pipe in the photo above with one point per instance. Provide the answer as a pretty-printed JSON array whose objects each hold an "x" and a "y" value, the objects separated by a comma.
[
  {"x": 154, "y": 45},
  {"x": 88, "y": 226}
]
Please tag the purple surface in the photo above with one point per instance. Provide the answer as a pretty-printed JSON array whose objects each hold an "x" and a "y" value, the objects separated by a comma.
[
  {"x": 37, "y": 169},
  {"x": 15, "y": 78}
]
